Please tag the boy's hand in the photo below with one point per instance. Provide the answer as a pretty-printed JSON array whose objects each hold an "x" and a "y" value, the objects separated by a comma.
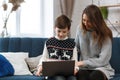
[
  {"x": 76, "y": 70},
  {"x": 39, "y": 71}
]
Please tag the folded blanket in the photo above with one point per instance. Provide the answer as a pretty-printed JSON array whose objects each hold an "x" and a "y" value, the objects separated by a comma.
[{"x": 6, "y": 68}]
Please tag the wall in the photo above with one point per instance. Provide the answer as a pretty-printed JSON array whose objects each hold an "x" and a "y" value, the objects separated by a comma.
[
  {"x": 77, "y": 13},
  {"x": 79, "y": 5},
  {"x": 113, "y": 21}
]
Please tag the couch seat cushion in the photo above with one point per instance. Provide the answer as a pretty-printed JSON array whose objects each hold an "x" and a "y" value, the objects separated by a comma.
[{"x": 21, "y": 77}]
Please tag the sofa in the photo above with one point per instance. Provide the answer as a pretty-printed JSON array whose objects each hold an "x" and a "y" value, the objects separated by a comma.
[{"x": 34, "y": 46}]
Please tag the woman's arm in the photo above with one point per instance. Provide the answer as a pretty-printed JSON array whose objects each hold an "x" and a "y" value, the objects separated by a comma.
[{"x": 103, "y": 58}]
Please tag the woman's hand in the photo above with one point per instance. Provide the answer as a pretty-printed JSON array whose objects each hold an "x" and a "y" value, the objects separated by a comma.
[{"x": 79, "y": 63}]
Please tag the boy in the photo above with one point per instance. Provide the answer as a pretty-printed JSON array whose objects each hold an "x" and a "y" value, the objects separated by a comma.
[{"x": 59, "y": 47}]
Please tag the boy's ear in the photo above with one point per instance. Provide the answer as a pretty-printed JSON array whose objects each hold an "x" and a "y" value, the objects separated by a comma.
[{"x": 68, "y": 31}]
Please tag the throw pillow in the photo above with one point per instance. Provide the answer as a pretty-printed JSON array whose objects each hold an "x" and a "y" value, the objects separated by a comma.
[
  {"x": 6, "y": 68},
  {"x": 17, "y": 59},
  {"x": 33, "y": 62}
]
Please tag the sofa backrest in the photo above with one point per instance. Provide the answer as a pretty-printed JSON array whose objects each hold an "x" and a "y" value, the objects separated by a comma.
[
  {"x": 35, "y": 47},
  {"x": 32, "y": 45},
  {"x": 115, "y": 59}
]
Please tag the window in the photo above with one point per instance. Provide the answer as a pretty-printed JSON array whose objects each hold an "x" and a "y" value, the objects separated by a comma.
[
  {"x": 33, "y": 19},
  {"x": 37, "y": 18}
]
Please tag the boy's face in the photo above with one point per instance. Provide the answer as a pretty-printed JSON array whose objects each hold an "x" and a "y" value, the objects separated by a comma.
[{"x": 61, "y": 33}]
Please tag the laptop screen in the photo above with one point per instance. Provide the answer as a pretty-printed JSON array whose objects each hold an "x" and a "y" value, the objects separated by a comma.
[{"x": 52, "y": 68}]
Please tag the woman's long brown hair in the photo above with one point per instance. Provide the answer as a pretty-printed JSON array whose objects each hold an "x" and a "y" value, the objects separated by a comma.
[{"x": 101, "y": 31}]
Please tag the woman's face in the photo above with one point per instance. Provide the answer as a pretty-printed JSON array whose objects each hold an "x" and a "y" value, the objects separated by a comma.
[
  {"x": 61, "y": 33},
  {"x": 86, "y": 22}
]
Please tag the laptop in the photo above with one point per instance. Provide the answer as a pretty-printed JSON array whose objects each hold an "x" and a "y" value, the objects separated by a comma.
[{"x": 52, "y": 68}]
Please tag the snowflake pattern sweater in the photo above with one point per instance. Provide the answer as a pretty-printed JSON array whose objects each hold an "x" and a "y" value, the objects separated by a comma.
[{"x": 60, "y": 49}]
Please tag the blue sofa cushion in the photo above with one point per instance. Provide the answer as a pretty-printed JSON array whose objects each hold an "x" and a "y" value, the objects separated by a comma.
[
  {"x": 32, "y": 45},
  {"x": 115, "y": 63},
  {"x": 4, "y": 42},
  {"x": 6, "y": 67}
]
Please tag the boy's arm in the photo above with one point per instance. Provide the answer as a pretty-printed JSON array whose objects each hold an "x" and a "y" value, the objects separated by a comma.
[
  {"x": 45, "y": 55},
  {"x": 39, "y": 71},
  {"x": 75, "y": 54}
]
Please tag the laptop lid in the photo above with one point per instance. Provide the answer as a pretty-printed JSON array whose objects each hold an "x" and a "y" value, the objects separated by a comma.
[{"x": 52, "y": 68}]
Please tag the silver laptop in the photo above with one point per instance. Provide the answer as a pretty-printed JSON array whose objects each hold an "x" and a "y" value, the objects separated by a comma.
[{"x": 52, "y": 68}]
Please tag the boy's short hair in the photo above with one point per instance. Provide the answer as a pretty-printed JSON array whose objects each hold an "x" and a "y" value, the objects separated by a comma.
[{"x": 62, "y": 22}]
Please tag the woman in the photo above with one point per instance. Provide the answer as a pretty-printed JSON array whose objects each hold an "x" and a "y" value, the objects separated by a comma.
[{"x": 94, "y": 41}]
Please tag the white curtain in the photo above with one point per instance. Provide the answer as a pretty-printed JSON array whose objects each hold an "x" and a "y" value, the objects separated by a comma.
[{"x": 66, "y": 7}]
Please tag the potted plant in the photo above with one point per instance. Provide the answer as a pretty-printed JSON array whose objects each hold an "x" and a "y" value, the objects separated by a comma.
[{"x": 104, "y": 11}]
